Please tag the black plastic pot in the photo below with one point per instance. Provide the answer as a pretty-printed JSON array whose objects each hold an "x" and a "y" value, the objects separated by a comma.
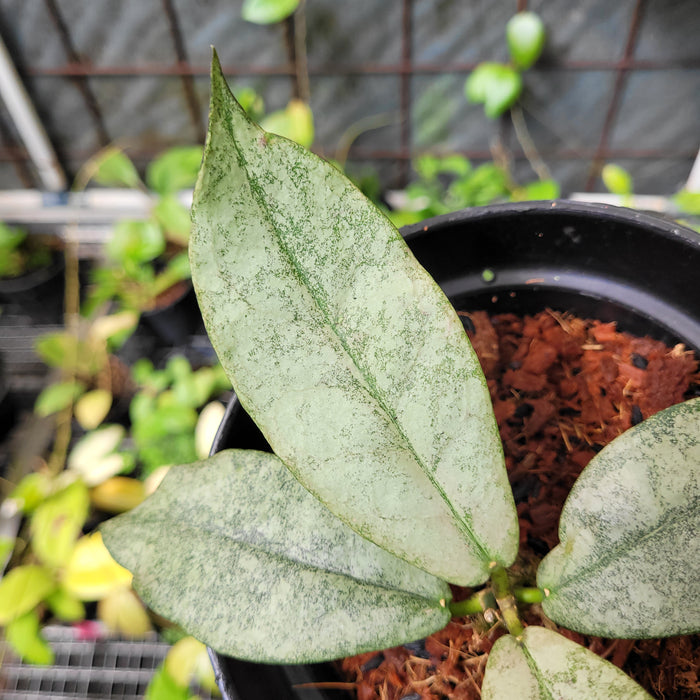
[
  {"x": 174, "y": 323},
  {"x": 596, "y": 261},
  {"x": 38, "y": 293}
]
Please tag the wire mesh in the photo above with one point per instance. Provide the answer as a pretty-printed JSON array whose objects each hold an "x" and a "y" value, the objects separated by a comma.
[{"x": 84, "y": 669}]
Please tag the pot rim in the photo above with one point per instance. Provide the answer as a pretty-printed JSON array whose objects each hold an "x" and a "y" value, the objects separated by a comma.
[{"x": 666, "y": 227}]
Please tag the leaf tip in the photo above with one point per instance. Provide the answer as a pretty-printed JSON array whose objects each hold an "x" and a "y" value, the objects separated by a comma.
[{"x": 218, "y": 81}]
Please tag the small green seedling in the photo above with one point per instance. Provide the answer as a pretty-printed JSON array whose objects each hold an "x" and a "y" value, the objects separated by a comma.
[
  {"x": 387, "y": 480},
  {"x": 144, "y": 258},
  {"x": 498, "y": 86}
]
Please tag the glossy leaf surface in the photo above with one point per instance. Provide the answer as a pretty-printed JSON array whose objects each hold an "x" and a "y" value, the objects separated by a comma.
[
  {"x": 547, "y": 666},
  {"x": 240, "y": 555},
  {"x": 628, "y": 564},
  {"x": 345, "y": 352}
]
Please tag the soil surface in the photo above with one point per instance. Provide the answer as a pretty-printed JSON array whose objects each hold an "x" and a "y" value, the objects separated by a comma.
[{"x": 562, "y": 388}]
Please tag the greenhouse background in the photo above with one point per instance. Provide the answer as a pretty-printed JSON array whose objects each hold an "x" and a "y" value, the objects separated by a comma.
[
  {"x": 102, "y": 101},
  {"x": 616, "y": 82}
]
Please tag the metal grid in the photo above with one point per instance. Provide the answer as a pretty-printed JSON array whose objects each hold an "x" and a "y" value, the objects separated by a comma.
[
  {"x": 86, "y": 670},
  {"x": 80, "y": 69}
]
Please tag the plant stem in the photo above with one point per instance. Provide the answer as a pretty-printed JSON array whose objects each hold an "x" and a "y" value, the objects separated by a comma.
[
  {"x": 506, "y": 600},
  {"x": 477, "y": 603},
  {"x": 528, "y": 595}
]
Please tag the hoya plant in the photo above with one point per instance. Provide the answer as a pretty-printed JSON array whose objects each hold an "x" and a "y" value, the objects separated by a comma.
[{"x": 387, "y": 482}]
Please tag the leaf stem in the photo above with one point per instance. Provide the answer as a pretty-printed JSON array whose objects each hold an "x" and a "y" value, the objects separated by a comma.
[
  {"x": 506, "y": 600},
  {"x": 477, "y": 603},
  {"x": 528, "y": 595}
]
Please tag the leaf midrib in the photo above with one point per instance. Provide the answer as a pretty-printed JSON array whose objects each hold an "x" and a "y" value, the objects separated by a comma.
[
  {"x": 671, "y": 518},
  {"x": 371, "y": 387},
  {"x": 156, "y": 520}
]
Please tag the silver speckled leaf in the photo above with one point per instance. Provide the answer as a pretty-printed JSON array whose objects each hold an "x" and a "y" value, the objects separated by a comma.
[
  {"x": 546, "y": 666},
  {"x": 240, "y": 555},
  {"x": 628, "y": 562},
  {"x": 345, "y": 352}
]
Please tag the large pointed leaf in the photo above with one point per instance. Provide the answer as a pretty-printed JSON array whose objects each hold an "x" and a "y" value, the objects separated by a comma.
[
  {"x": 628, "y": 564},
  {"x": 238, "y": 553},
  {"x": 543, "y": 665},
  {"x": 345, "y": 352}
]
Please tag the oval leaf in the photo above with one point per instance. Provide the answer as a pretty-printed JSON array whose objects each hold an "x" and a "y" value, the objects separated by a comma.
[
  {"x": 175, "y": 169},
  {"x": 495, "y": 85},
  {"x": 294, "y": 122},
  {"x": 238, "y": 553},
  {"x": 525, "y": 35},
  {"x": 92, "y": 408},
  {"x": 616, "y": 179},
  {"x": 628, "y": 562},
  {"x": 346, "y": 353},
  {"x": 135, "y": 242},
  {"x": 57, "y": 522},
  {"x": 114, "y": 169},
  {"x": 91, "y": 573},
  {"x": 267, "y": 11},
  {"x": 544, "y": 665},
  {"x": 24, "y": 635},
  {"x": 57, "y": 397}
]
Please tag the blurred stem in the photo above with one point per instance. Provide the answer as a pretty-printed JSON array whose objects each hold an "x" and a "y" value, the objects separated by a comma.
[
  {"x": 71, "y": 320},
  {"x": 527, "y": 144},
  {"x": 301, "y": 60},
  {"x": 348, "y": 137},
  {"x": 295, "y": 34}
]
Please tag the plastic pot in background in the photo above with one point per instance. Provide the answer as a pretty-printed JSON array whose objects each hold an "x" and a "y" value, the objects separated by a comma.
[
  {"x": 595, "y": 261},
  {"x": 38, "y": 293},
  {"x": 177, "y": 318}
]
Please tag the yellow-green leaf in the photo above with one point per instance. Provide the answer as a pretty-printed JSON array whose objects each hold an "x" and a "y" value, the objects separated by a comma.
[
  {"x": 294, "y": 122},
  {"x": 91, "y": 572},
  {"x": 114, "y": 168},
  {"x": 92, "y": 408},
  {"x": 65, "y": 606},
  {"x": 25, "y": 638},
  {"x": 31, "y": 491},
  {"x": 174, "y": 217},
  {"x": 267, "y": 11},
  {"x": 57, "y": 522},
  {"x": 123, "y": 613},
  {"x": 345, "y": 352},
  {"x": 118, "y": 494},
  {"x": 616, "y": 179},
  {"x": 175, "y": 169},
  {"x": 22, "y": 589},
  {"x": 57, "y": 397}
]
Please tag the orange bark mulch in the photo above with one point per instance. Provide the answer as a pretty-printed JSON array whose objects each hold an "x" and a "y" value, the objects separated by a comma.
[{"x": 562, "y": 388}]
